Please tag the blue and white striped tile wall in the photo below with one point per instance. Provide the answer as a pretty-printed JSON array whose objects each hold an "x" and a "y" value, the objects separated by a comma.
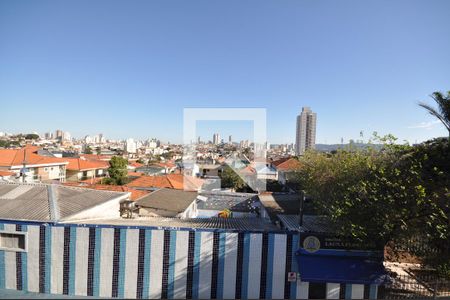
[{"x": 141, "y": 262}]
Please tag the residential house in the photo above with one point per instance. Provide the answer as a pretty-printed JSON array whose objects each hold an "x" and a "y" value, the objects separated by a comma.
[
  {"x": 285, "y": 167},
  {"x": 35, "y": 167},
  {"x": 265, "y": 171},
  {"x": 83, "y": 169}
]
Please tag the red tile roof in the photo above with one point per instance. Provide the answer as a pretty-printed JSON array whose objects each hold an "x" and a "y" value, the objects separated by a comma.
[
  {"x": 135, "y": 174},
  {"x": 15, "y": 157},
  {"x": 248, "y": 170},
  {"x": 137, "y": 165},
  {"x": 80, "y": 164},
  {"x": 96, "y": 157},
  {"x": 171, "y": 181},
  {"x": 92, "y": 180},
  {"x": 287, "y": 164},
  {"x": 6, "y": 173},
  {"x": 135, "y": 194}
]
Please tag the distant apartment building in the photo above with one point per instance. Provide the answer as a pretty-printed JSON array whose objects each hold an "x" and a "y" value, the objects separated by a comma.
[
  {"x": 59, "y": 134},
  {"x": 88, "y": 139},
  {"x": 48, "y": 136},
  {"x": 130, "y": 146},
  {"x": 66, "y": 136},
  {"x": 216, "y": 139},
  {"x": 306, "y": 131}
]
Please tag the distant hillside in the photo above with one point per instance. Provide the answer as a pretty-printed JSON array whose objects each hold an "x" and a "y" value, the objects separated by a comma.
[{"x": 331, "y": 147}]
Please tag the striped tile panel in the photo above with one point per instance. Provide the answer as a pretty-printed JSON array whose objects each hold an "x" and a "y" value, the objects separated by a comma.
[{"x": 149, "y": 263}]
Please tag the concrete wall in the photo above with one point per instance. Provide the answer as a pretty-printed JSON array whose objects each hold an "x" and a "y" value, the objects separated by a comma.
[{"x": 144, "y": 262}]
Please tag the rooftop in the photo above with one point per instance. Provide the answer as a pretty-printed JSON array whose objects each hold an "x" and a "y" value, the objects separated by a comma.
[
  {"x": 135, "y": 194},
  {"x": 16, "y": 157},
  {"x": 47, "y": 202},
  {"x": 6, "y": 173},
  {"x": 285, "y": 204},
  {"x": 82, "y": 164},
  {"x": 238, "y": 202},
  {"x": 311, "y": 223},
  {"x": 287, "y": 164},
  {"x": 238, "y": 224},
  {"x": 170, "y": 181},
  {"x": 168, "y": 202}
]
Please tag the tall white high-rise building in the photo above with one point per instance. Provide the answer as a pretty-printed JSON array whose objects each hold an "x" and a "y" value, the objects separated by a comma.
[
  {"x": 88, "y": 139},
  {"x": 66, "y": 136},
  {"x": 306, "y": 131},
  {"x": 130, "y": 146},
  {"x": 216, "y": 139}
]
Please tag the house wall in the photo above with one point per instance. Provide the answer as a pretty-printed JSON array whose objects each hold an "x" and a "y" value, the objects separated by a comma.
[
  {"x": 145, "y": 262},
  {"x": 73, "y": 175}
]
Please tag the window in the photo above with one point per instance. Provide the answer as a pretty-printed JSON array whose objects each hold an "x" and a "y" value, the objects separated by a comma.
[
  {"x": 45, "y": 169},
  {"x": 13, "y": 241}
]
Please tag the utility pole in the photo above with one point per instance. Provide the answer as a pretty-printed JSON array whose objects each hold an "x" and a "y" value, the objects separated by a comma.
[
  {"x": 301, "y": 212},
  {"x": 302, "y": 202},
  {"x": 24, "y": 164}
]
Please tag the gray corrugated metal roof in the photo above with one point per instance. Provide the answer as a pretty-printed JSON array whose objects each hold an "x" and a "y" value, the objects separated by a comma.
[
  {"x": 72, "y": 200},
  {"x": 169, "y": 200},
  {"x": 239, "y": 202},
  {"x": 241, "y": 224},
  {"x": 32, "y": 205},
  {"x": 32, "y": 202},
  {"x": 311, "y": 223}
]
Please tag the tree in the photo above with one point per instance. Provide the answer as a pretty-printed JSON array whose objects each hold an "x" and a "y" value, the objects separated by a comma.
[
  {"x": 88, "y": 150},
  {"x": 274, "y": 186},
  {"x": 384, "y": 195},
  {"x": 32, "y": 136},
  {"x": 98, "y": 150},
  {"x": 442, "y": 112},
  {"x": 7, "y": 144},
  {"x": 118, "y": 173},
  {"x": 230, "y": 179}
]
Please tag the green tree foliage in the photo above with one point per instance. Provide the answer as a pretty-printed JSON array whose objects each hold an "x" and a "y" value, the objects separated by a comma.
[
  {"x": 32, "y": 136},
  {"x": 384, "y": 195},
  {"x": 168, "y": 155},
  {"x": 98, "y": 150},
  {"x": 442, "y": 112},
  {"x": 7, "y": 144},
  {"x": 118, "y": 173},
  {"x": 88, "y": 150},
  {"x": 232, "y": 180},
  {"x": 274, "y": 186}
]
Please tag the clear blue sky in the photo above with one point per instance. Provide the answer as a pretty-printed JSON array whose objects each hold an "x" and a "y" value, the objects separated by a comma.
[{"x": 128, "y": 68}]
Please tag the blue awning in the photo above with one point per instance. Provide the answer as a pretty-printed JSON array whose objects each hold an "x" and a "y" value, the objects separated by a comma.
[{"x": 340, "y": 266}]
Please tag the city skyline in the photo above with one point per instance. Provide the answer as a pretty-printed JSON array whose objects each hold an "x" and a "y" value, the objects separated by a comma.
[{"x": 135, "y": 79}]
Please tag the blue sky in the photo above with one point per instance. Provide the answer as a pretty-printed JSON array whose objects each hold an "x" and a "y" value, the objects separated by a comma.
[{"x": 128, "y": 68}]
